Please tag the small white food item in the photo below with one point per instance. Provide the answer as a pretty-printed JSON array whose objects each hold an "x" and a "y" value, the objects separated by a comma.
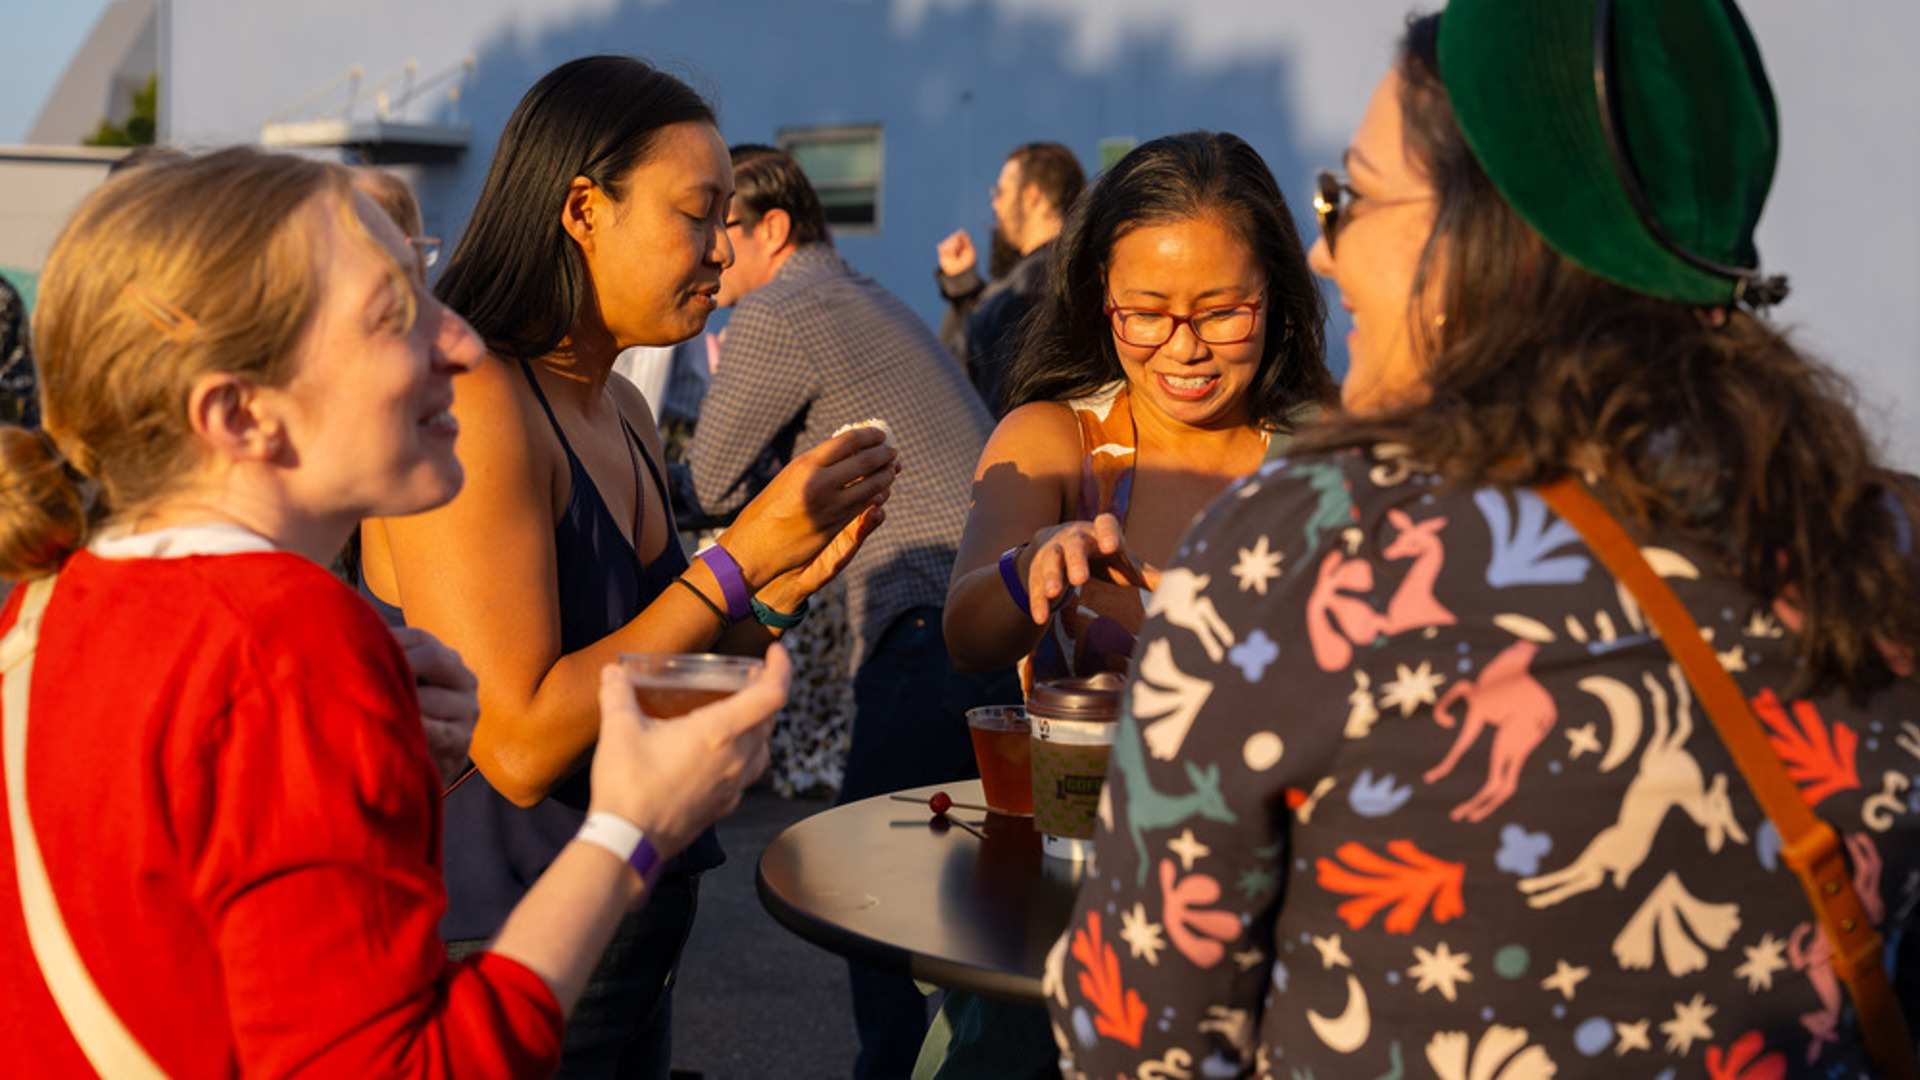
[{"x": 872, "y": 422}]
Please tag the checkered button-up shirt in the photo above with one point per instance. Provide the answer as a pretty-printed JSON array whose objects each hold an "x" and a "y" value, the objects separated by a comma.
[{"x": 820, "y": 346}]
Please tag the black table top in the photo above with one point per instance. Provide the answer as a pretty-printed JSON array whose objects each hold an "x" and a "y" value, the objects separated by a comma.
[{"x": 880, "y": 881}]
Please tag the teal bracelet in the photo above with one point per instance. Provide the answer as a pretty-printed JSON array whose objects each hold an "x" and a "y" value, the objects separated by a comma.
[{"x": 778, "y": 620}]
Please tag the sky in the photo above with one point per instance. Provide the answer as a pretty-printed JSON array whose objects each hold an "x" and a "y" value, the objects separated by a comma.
[{"x": 40, "y": 38}]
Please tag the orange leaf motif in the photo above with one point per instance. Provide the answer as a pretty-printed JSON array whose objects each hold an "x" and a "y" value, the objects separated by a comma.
[
  {"x": 1412, "y": 883},
  {"x": 1743, "y": 1061},
  {"x": 1119, "y": 1012},
  {"x": 1820, "y": 760},
  {"x": 1200, "y": 935}
]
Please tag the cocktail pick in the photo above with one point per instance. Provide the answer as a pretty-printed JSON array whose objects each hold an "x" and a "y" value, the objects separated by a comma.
[{"x": 940, "y": 802}]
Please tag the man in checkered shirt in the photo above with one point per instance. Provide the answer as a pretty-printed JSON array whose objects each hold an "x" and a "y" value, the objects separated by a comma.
[{"x": 813, "y": 345}]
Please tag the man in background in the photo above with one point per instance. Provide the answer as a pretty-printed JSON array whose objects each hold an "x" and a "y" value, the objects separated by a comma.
[
  {"x": 812, "y": 346},
  {"x": 1036, "y": 190}
]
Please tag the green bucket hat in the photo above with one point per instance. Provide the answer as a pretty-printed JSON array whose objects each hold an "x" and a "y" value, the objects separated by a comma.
[{"x": 1637, "y": 137}]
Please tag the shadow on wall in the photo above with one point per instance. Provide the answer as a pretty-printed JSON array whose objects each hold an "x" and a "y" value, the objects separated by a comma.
[{"x": 953, "y": 86}]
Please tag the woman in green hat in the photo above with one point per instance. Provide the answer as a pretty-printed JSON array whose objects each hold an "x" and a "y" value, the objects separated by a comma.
[{"x": 1411, "y": 782}]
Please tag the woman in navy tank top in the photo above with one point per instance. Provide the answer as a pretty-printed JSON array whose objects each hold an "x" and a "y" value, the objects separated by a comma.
[{"x": 602, "y": 225}]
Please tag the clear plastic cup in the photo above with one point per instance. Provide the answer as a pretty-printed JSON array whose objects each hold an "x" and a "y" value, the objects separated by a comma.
[
  {"x": 675, "y": 684},
  {"x": 1003, "y": 748}
]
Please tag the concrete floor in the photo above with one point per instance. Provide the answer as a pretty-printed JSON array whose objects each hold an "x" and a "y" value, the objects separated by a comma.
[{"x": 754, "y": 1000}]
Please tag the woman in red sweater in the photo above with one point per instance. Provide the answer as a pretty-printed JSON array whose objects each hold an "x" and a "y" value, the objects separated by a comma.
[{"x": 222, "y": 820}]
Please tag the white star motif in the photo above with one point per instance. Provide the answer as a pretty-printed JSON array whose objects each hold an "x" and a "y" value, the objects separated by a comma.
[
  {"x": 1189, "y": 849},
  {"x": 1734, "y": 659},
  {"x": 1257, "y": 566},
  {"x": 1352, "y": 538},
  {"x": 1248, "y": 960},
  {"x": 1412, "y": 689},
  {"x": 1632, "y": 1037},
  {"x": 1762, "y": 961},
  {"x": 1564, "y": 978},
  {"x": 1361, "y": 719},
  {"x": 1582, "y": 740},
  {"x": 1142, "y": 935},
  {"x": 1441, "y": 969},
  {"x": 1689, "y": 1024},
  {"x": 1331, "y": 954}
]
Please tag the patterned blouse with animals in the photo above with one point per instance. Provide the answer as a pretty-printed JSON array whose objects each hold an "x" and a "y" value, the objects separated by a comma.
[{"x": 1406, "y": 788}]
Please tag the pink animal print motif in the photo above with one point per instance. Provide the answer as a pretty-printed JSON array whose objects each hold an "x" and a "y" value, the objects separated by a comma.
[
  {"x": 1809, "y": 950},
  {"x": 1336, "y": 622},
  {"x": 1507, "y": 696}
]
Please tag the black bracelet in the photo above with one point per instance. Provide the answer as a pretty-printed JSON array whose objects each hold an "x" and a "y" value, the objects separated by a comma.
[{"x": 711, "y": 606}]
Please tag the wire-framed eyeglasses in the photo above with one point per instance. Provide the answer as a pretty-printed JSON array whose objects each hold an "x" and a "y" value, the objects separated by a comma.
[
  {"x": 428, "y": 247},
  {"x": 1333, "y": 200},
  {"x": 1145, "y": 328}
]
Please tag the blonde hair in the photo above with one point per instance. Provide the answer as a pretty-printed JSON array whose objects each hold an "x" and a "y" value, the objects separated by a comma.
[
  {"x": 392, "y": 194},
  {"x": 166, "y": 273}
]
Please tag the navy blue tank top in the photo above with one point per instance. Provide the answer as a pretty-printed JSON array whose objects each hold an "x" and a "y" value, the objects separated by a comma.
[{"x": 494, "y": 850}]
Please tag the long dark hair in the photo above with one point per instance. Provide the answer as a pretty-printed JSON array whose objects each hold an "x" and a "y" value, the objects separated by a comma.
[
  {"x": 516, "y": 275},
  {"x": 1705, "y": 423},
  {"x": 1069, "y": 351}
]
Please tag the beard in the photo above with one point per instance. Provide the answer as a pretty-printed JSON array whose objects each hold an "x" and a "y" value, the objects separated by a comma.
[{"x": 1001, "y": 253}]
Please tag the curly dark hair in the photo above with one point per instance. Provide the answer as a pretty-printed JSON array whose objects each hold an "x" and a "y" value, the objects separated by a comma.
[
  {"x": 1706, "y": 423},
  {"x": 1068, "y": 348}
]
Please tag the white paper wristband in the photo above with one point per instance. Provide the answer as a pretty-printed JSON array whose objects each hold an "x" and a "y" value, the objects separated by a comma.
[{"x": 625, "y": 839}]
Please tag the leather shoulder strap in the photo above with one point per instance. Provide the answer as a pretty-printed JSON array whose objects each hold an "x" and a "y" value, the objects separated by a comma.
[
  {"x": 110, "y": 1048},
  {"x": 1811, "y": 846}
]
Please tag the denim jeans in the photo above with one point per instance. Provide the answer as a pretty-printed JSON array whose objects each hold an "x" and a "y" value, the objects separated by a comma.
[{"x": 909, "y": 729}]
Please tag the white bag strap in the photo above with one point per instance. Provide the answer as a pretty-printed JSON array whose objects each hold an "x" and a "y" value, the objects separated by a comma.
[{"x": 110, "y": 1048}]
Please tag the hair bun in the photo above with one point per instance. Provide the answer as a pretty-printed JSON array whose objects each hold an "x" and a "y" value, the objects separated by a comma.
[{"x": 45, "y": 504}]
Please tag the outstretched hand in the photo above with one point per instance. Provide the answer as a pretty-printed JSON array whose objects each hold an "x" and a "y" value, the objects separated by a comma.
[
  {"x": 1073, "y": 553},
  {"x": 837, "y": 555},
  {"x": 675, "y": 777},
  {"x": 811, "y": 502}
]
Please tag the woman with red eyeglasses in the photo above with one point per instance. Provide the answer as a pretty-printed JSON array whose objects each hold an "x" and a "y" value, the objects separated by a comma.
[
  {"x": 1179, "y": 334},
  {"x": 1550, "y": 710}
]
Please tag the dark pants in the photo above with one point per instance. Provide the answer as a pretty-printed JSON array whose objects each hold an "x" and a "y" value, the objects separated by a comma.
[
  {"x": 623, "y": 1027},
  {"x": 909, "y": 729}
]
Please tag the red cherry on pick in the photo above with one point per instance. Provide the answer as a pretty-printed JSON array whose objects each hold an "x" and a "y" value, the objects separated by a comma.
[{"x": 940, "y": 802}]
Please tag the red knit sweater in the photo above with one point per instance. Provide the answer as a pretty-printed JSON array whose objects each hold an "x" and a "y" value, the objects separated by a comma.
[{"x": 227, "y": 775}]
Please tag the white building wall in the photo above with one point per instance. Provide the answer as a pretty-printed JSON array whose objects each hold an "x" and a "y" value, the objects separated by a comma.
[{"x": 955, "y": 83}]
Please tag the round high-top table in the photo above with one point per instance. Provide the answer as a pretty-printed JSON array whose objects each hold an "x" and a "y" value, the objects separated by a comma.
[{"x": 882, "y": 882}]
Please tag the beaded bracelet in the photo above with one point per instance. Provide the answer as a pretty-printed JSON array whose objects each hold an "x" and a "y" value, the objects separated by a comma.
[
  {"x": 733, "y": 583},
  {"x": 1010, "y": 575},
  {"x": 780, "y": 620}
]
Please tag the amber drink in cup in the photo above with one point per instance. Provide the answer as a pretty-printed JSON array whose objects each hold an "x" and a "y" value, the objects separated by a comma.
[
  {"x": 1003, "y": 747},
  {"x": 675, "y": 684}
]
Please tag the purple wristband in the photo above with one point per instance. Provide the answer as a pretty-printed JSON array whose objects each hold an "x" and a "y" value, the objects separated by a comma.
[
  {"x": 1010, "y": 574},
  {"x": 625, "y": 840},
  {"x": 733, "y": 584}
]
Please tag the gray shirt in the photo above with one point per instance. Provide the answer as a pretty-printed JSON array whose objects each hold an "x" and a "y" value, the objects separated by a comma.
[{"x": 820, "y": 346}]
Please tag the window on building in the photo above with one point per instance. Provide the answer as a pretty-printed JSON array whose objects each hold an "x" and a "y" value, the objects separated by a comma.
[{"x": 843, "y": 163}]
